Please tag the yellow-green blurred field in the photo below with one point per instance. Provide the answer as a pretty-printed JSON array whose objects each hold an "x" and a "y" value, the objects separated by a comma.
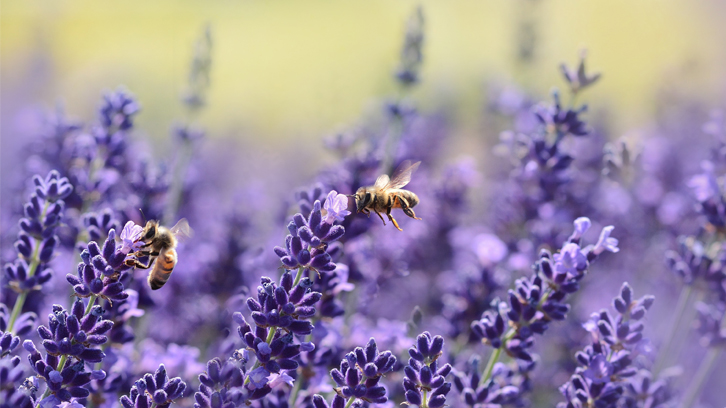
[{"x": 289, "y": 69}]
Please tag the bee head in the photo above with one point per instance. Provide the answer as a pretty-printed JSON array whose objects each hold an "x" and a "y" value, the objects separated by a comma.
[
  {"x": 363, "y": 198},
  {"x": 149, "y": 230}
]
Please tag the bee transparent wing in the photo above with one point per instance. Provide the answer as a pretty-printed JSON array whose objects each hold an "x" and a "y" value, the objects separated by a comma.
[
  {"x": 182, "y": 230},
  {"x": 381, "y": 182},
  {"x": 402, "y": 175}
]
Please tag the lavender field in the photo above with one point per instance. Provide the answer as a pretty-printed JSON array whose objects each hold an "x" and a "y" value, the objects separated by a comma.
[{"x": 550, "y": 258}]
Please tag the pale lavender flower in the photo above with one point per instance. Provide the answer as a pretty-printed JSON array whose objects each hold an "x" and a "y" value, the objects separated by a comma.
[
  {"x": 582, "y": 224},
  {"x": 129, "y": 237},
  {"x": 571, "y": 259},
  {"x": 606, "y": 242},
  {"x": 336, "y": 206},
  {"x": 705, "y": 186},
  {"x": 258, "y": 377},
  {"x": 276, "y": 379}
]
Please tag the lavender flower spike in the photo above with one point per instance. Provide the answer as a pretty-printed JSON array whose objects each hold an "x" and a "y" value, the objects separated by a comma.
[{"x": 336, "y": 206}]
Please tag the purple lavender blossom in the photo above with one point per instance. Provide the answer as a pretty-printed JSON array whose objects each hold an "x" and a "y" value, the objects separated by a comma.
[
  {"x": 578, "y": 79},
  {"x": 425, "y": 383},
  {"x": 607, "y": 366},
  {"x": 306, "y": 245},
  {"x": 101, "y": 269},
  {"x": 154, "y": 390},
  {"x": 360, "y": 372},
  {"x": 69, "y": 341},
  {"x": 336, "y": 207}
]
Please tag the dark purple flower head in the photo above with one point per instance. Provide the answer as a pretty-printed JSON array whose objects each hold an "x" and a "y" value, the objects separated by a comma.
[
  {"x": 561, "y": 121},
  {"x": 53, "y": 188},
  {"x": 68, "y": 380},
  {"x": 228, "y": 384},
  {"x": 536, "y": 301},
  {"x": 154, "y": 390},
  {"x": 577, "y": 78},
  {"x": 75, "y": 334},
  {"x": 15, "y": 390},
  {"x": 279, "y": 314},
  {"x": 101, "y": 268},
  {"x": 306, "y": 247},
  {"x": 99, "y": 223},
  {"x": 505, "y": 389},
  {"x": 606, "y": 366},
  {"x": 360, "y": 372},
  {"x": 425, "y": 383},
  {"x": 694, "y": 261},
  {"x": 23, "y": 324},
  {"x": 117, "y": 110}
]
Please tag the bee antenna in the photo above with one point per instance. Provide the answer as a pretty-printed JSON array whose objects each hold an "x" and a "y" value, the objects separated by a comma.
[
  {"x": 350, "y": 195},
  {"x": 143, "y": 216}
]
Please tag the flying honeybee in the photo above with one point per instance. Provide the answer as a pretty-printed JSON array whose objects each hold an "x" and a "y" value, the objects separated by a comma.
[
  {"x": 160, "y": 246},
  {"x": 387, "y": 194}
]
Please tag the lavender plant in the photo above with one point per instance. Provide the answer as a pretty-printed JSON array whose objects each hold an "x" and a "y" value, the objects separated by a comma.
[{"x": 251, "y": 319}]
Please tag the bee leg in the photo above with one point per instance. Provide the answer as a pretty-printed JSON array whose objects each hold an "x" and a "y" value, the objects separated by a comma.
[
  {"x": 137, "y": 264},
  {"x": 139, "y": 254},
  {"x": 379, "y": 214},
  {"x": 366, "y": 212},
  {"x": 406, "y": 209},
  {"x": 393, "y": 220}
]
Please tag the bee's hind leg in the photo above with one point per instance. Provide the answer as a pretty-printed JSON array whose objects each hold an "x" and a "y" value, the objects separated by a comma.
[
  {"x": 390, "y": 217},
  {"x": 384, "y": 221},
  {"x": 136, "y": 264},
  {"x": 406, "y": 209}
]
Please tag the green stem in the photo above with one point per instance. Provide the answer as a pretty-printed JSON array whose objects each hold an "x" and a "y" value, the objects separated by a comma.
[
  {"x": 425, "y": 403},
  {"x": 665, "y": 353},
  {"x": 694, "y": 389},
  {"x": 33, "y": 267},
  {"x": 298, "y": 276},
  {"x": 298, "y": 382},
  {"x": 91, "y": 301},
  {"x": 177, "y": 182},
  {"x": 392, "y": 146},
  {"x": 61, "y": 364},
  {"x": 295, "y": 391},
  {"x": 350, "y": 402},
  {"x": 493, "y": 358},
  {"x": 19, "y": 302},
  {"x": 270, "y": 335}
]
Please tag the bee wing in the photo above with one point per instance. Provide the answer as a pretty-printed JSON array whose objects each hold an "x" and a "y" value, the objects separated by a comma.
[
  {"x": 182, "y": 230},
  {"x": 402, "y": 175},
  {"x": 381, "y": 182}
]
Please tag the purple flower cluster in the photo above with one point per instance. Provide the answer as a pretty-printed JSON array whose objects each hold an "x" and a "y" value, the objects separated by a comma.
[
  {"x": 425, "y": 383},
  {"x": 360, "y": 373},
  {"x": 37, "y": 239},
  {"x": 607, "y": 366},
  {"x": 69, "y": 341},
  {"x": 154, "y": 390},
  {"x": 540, "y": 299},
  {"x": 99, "y": 273},
  {"x": 306, "y": 247}
]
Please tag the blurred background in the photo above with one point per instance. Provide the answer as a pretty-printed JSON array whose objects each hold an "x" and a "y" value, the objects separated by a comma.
[{"x": 298, "y": 70}]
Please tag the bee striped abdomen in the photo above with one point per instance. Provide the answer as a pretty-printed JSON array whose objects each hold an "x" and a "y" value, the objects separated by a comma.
[{"x": 162, "y": 268}]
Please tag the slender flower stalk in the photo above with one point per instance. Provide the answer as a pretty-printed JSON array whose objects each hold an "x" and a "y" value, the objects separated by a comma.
[
  {"x": 539, "y": 300},
  {"x": 36, "y": 239}
]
